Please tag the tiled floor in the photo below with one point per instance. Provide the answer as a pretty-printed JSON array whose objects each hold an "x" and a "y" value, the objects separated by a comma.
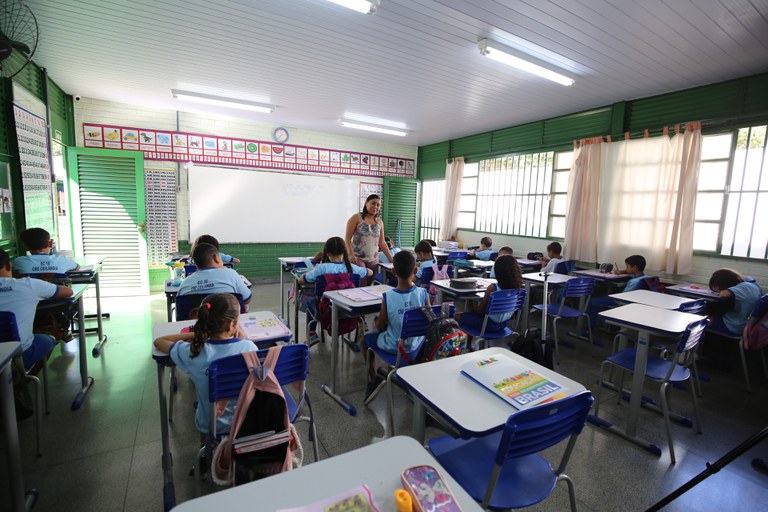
[{"x": 106, "y": 456}]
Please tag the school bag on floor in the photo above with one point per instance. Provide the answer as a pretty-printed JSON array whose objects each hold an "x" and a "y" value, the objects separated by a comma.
[
  {"x": 755, "y": 334},
  {"x": 260, "y": 409},
  {"x": 439, "y": 273},
  {"x": 444, "y": 336},
  {"x": 336, "y": 282},
  {"x": 531, "y": 346}
]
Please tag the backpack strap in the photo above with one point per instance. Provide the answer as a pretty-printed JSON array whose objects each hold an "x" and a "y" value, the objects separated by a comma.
[
  {"x": 427, "y": 310},
  {"x": 445, "y": 310}
]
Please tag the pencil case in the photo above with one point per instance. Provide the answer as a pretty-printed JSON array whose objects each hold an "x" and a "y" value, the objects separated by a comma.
[{"x": 428, "y": 490}]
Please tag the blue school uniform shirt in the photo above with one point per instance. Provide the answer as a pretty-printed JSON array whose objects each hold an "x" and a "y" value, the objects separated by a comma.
[
  {"x": 43, "y": 264},
  {"x": 214, "y": 280},
  {"x": 745, "y": 297},
  {"x": 225, "y": 258},
  {"x": 550, "y": 267},
  {"x": 197, "y": 369},
  {"x": 20, "y": 297},
  {"x": 425, "y": 264},
  {"x": 484, "y": 255},
  {"x": 333, "y": 267},
  {"x": 634, "y": 283},
  {"x": 383, "y": 257},
  {"x": 398, "y": 302}
]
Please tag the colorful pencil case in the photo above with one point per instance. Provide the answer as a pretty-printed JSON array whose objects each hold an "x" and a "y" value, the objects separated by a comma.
[{"x": 428, "y": 490}]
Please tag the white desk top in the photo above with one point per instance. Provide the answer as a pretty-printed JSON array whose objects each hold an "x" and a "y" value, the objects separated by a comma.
[
  {"x": 649, "y": 298},
  {"x": 698, "y": 290},
  {"x": 388, "y": 265},
  {"x": 528, "y": 263},
  {"x": 466, "y": 404},
  {"x": 482, "y": 263},
  {"x": 604, "y": 276},
  {"x": 445, "y": 285},
  {"x": 348, "y": 304},
  {"x": 291, "y": 259},
  {"x": 8, "y": 349},
  {"x": 536, "y": 277},
  {"x": 643, "y": 317},
  {"x": 378, "y": 465}
]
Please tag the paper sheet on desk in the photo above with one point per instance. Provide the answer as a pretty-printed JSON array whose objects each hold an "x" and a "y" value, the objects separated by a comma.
[
  {"x": 359, "y": 499},
  {"x": 364, "y": 294}
]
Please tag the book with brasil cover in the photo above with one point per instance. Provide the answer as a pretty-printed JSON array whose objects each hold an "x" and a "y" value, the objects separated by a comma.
[{"x": 513, "y": 381}]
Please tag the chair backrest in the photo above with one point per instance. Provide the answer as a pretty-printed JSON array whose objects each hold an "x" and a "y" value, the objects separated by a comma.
[
  {"x": 186, "y": 305},
  {"x": 533, "y": 430},
  {"x": 695, "y": 307},
  {"x": 457, "y": 255},
  {"x": 505, "y": 301},
  {"x": 688, "y": 342},
  {"x": 427, "y": 274},
  {"x": 416, "y": 324},
  {"x": 189, "y": 269},
  {"x": 227, "y": 375},
  {"x": 9, "y": 331},
  {"x": 493, "y": 256},
  {"x": 321, "y": 283},
  {"x": 578, "y": 287},
  {"x": 565, "y": 267},
  {"x": 650, "y": 283}
]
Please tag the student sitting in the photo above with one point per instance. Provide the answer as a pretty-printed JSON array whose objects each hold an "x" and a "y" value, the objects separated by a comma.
[
  {"x": 216, "y": 335},
  {"x": 508, "y": 276},
  {"x": 20, "y": 297},
  {"x": 208, "y": 239},
  {"x": 392, "y": 250},
  {"x": 390, "y": 320},
  {"x": 211, "y": 276},
  {"x": 634, "y": 267},
  {"x": 334, "y": 260},
  {"x": 485, "y": 250},
  {"x": 738, "y": 296},
  {"x": 504, "y": 251},
  {"x": 554, "y": 251},
  {"x": 425, "y": 258},
  {"x": 40, "y": 261}
]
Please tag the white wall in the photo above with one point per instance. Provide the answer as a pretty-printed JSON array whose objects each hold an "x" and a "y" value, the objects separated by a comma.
[
  {"x": 89, "y": 110},
  {"x": 703, "y": 266}
]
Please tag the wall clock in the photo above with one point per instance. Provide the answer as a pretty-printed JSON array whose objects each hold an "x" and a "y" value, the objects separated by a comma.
[{"x": 280, "y": 135}]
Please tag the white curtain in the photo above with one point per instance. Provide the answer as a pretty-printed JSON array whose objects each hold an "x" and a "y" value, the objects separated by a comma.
[
  {"x": 454, "y": 172},
  {"x": 583, "y": 193}
]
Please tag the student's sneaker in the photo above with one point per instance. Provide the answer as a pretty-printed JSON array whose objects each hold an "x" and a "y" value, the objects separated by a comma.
[
  {"x": 312, "y": 336},
  {"x": 373, "y": 389}
]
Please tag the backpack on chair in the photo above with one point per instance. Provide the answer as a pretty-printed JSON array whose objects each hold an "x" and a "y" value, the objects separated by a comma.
[
  {"x": 260, "y": 409},
  {"x": 438, "y": 273},
  {"x": 444, "y": 336},
  {"x": 336, "y": 282},
  {"x": 755, "y": 334}
]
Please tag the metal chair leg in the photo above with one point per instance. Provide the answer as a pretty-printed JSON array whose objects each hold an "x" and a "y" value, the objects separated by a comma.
[
  {"x": 744, "y": 365},
  {"x": 665, "y": 411},
  {"x": 45, "y": 386}
]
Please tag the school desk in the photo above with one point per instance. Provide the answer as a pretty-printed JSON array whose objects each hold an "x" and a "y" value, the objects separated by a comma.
[
  {"x": 468, "y": 407},
  {"x": 526, "y": 264},
  {"x": 163, "y": 361},
  {"x": 385, "y": 269},
  {"x": 532, "y": 279},
  {"x": 348, "y": 307},
  {"x": 78, "y": 290},
  {"x": 88, "y": 273},
  {"x": 647, "y": 321},
  {"x": 649, "y": 298},
  {"x": 172, "y": 289},
  {"x": 286, "y": 265},
  {"x": 611, "y": 280},
  {"x": 8, "y": 411},
  {"x": 443, "y": 287},
  {"x": 378, "y": 465},
  {"x": 695, "y": 291}
]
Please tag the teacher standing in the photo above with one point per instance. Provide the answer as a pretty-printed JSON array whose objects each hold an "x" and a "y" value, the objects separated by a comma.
[{"x": 365, "y": 235}]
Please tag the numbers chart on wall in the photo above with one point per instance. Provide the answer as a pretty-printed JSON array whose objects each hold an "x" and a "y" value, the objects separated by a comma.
[{"x": 160, "y": 196}]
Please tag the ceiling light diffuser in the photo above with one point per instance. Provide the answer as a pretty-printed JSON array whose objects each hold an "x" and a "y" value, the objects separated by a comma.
[
  {"x": 221, "y": 101},
  {"x": 373, "y": 128},
  {"x": 361, "y": 6},
  {"x": 520, "y": 60}
]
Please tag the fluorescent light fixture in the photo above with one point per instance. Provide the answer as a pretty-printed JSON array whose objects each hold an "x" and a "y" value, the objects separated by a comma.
[
  {"x": 223, "y": 102},
  {"x": 520, "y": 60},
  {"x": 361, "y": 6},
  {"x": 372, "y": 128}
]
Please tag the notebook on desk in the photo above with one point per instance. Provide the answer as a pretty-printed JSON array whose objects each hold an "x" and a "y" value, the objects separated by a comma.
[
  {"x": 512, "y": 381},
  {"x": 262, "y": 325}
]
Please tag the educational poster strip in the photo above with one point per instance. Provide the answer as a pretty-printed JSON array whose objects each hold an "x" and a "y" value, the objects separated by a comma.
[
  {"x": 36, "y": 185},
  {"x": 211, "y": 149},
  {"x": 160, "y": 195}
]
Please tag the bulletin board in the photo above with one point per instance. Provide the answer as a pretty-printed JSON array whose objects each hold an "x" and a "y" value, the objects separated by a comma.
[{"x": 259, "y": 206}]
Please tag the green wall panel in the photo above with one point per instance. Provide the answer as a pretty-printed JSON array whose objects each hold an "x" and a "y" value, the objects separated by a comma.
[
  {"x": 475, "y": 145},
  {"x": 431, "y": 160},
  {"x": 591, "y": 123},
  {"x": 524, "y": 136}
]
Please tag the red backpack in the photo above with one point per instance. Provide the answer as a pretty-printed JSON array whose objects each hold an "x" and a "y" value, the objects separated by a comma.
[{"x": 336, "y": 282}]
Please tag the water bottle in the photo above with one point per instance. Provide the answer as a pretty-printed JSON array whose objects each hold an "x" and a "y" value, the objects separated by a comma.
[{"x": 178, "y": 270}]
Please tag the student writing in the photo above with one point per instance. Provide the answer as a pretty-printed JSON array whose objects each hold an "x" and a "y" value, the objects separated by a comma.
[
  {"x": 485, "y": 250},
  {"x": 216, "y": 335},
  {"x": 208, "y": 239},
  {"x": 211, "y": 276},
  {"x": 335, "y": 260},
  {"x": 738, "y": 295},
  {"x": 425, "y": 258},
  {"x": 394, "y": 304},
  {"x": 20, "y": 297},
  {"x": 40, "y": 261}
]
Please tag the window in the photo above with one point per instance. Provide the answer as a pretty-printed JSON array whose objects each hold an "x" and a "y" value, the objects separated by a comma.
[
  {"x": 468, "y": 201},
  {"x": 432, "y": 196},
  {"x": 558, "y": 205},
  {"x": 732, "y": 188}
]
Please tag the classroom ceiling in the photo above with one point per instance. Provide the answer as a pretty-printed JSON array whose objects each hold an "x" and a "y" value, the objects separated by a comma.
[{"x": 415, "y": 62}]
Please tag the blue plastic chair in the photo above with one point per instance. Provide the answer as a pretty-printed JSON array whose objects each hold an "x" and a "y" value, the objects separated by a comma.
[
  {"x": 577, "y": 288},
  {"x": 494, "y": 256},
  {"x": 188, "y": 304},
  {"x": 504, "y": 470},
  {"x": 9, "y": 331},
  {"x": 427, "y": 274},
  {"x": 565, "y": 267},
  {"x": 414, "y": 324},
  {"x": 500, "y": 301},
  {"x": 226, "y": 377},
  {"x": 456, "y": 255},
  {"x": 664, "y": 371}
]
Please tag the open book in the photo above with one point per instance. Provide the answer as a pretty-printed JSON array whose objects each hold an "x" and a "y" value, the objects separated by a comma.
[
  {"x": 262, "y": 326},
  {"x": 512, "y": 381}
]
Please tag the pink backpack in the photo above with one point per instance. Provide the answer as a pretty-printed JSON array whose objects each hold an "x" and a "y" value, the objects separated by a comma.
[
  {"x": 260, "y": 408},
  {"x": 755, "y": 334},
  {"x": 439, "y": 273}
]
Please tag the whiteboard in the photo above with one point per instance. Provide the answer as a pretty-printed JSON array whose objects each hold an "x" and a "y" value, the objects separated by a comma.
[{"x": 258, "y": 206}]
